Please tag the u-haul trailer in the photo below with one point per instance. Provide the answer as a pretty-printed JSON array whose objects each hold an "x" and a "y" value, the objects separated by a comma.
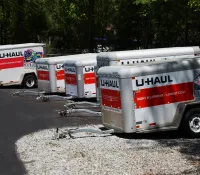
[
  {"x": 152, "y": 97},
  {"x": 79, "y": 80},
  {"x": 80, "y": 77},
  {"x": 142, "y": 56},
  {"x": 17, "y": 63},
  {"x": 51, "y": 73}
]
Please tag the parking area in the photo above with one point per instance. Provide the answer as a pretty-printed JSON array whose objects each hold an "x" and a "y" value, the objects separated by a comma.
[
  {"x": 24, "y": 115},
  {"x": 26, "y": 145}
]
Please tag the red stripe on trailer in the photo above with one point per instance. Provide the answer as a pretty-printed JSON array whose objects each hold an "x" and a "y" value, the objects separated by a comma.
[
  {"x": 60, "y": 75},
  {"x": 70, "y": 79},
  {"x": 164, "y": 95},
  {"x": 7, "y": 63},
  {"x": 43, "y": 75},
  {"x": 97, "y": 82},
  {"x": 89, "y": 78},
  {"x": 152, "y": 124},
  {"x": 111, "y": 98}
]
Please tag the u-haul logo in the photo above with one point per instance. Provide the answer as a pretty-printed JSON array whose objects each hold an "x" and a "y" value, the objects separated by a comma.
[
  {"x": 42, "y": 67},
  {"x": 163, "y": 79},
  {"x": 70, "y": 69},
  {"x": 101, "y": 63},
  {"x": 59, "y": 66},
  {"x": 159, "y": 80},
  {"x": 10, "y": 54},
  {"x": 89, "y": 69},
  {"x": 109, "y": 83}
]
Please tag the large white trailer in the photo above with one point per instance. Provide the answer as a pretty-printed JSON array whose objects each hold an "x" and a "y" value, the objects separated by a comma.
[
  {"x": 51, "y": 73},
  {"x": 142, "y": 56},
  {"x": 152, "y": 97},
  {"x": 80, "y": 77},
  {"x": 17, "y": 63}
]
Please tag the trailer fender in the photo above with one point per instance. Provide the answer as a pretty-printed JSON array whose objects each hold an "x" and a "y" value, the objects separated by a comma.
[{"x": 182, "y": 109}]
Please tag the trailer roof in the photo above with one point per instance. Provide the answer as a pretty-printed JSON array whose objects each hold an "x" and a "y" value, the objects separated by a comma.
[
  {"x": 16, "y": 46},
  {"x": 148, "y": 53},
  {"x": 61, "y": 59},
  {"x": 150, "y": 68},
  {"x": 90, "y": 60}
]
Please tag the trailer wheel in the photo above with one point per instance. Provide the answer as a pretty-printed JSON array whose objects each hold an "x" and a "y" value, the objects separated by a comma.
[
  {"x": 191, "y": 124},
  {"x": 30, "y": 81}
]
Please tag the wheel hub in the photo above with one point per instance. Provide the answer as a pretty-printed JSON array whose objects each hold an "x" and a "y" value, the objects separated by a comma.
[
  {"x": 30, "y": 82},
  {"x": 195, "y": 124}
]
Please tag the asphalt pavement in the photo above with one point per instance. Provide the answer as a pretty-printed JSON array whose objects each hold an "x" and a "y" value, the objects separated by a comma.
[{"x": 20, "y": 116}]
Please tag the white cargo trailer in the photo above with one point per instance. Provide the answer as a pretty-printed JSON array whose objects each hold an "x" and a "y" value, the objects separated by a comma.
[
  {"x": 80, "y": 77},
  {"x": 151, "y": 97},
  {"x": 17, "y": 63},
  {"x": 143, "y": 56},
  {"x": 51, "y": 73}
]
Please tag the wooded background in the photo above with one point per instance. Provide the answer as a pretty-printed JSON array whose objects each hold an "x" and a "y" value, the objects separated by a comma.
[{"x": 81, "y": 25}]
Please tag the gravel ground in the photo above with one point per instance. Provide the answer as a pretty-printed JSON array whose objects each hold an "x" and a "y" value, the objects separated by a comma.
[{"x": 107, "y": 155}]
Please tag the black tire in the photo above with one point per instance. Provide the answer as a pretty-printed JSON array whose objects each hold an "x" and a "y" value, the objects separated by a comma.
[
  {"x": 30, "y": 81},
  {"x": 191, "y": 123}
]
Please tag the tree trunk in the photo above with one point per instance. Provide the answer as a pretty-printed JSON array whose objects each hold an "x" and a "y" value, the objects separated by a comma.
[
  {"x": 186, "y": 33},
  {"x": 147, "y": 28},
  {"x": 91, "y": 22},
  {"x": 6, "y": 25},
  {"x": 19, "y": 34},
  {"x": 2, "y": 22}
]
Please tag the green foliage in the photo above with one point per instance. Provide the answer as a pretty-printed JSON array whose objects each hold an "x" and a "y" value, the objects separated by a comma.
[
  {"x": 127, "y": 24},
  {"x": 195, "y": 4},
  {"x": 144, "y": 1}
]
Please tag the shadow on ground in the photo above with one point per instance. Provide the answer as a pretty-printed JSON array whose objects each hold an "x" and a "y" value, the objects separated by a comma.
[
  {"x": 21, "y": 116},
  {"x": 13, "y": 87}
]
